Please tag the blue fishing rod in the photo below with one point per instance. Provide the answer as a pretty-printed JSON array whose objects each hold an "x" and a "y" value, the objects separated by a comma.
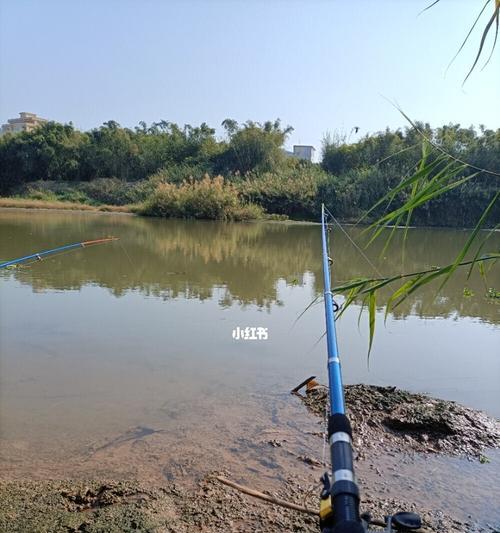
[
  {"x": 340, "y": 498},
  {"x": 38, "y": 256}
]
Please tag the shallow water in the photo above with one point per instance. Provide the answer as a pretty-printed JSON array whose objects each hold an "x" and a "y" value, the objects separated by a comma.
[{"x": 128, "y": 346}]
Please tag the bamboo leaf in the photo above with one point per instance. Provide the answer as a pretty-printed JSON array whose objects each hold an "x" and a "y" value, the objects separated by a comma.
[
  {"x": 361, "y": 309},
  {"x": 431, "y": 5},
  {"x": 351, "y": 296},
  {"x": 471, "y": 238},
  {"x": 371, "y": 318},
  {"x": 495, "y": 39},
  {"x": 483, "y": 39},
  {"x": 431, "y": 187},
  {"x": 422, "y": 199},
  {"x": 305, "y": 310},
  {"x": 397, "y": 294},
  {"x": 480, "y": 248},
  {"x": 468, "y": 34},
  {"x": 355, "y": 283},
  {"x": 425, "y": 196},
  {"x": 403, "y": 185}
]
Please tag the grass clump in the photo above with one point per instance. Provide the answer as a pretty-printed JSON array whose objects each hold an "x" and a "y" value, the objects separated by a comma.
[{"x": 208, "y": 198}]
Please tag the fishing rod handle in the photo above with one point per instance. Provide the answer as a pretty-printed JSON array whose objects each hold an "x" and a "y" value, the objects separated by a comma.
[{"x": 344, "y": 490}]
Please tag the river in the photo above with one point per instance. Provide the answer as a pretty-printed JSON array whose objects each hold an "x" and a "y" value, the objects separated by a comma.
[{"x": 103, "y": 346}]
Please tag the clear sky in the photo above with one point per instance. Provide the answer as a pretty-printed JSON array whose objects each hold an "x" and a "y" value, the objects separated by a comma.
[{"x": 318, "y": 65}]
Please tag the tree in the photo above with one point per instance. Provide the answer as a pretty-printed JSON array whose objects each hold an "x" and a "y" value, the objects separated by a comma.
[
  {"x": 252, "y": 146},
  {"x": 50, "y": 152}
]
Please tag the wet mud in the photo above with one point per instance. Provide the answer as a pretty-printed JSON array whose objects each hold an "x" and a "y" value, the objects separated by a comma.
[
  {"x": 393, "y": 419},
  {"x": 412, "y": 453},
  {"x": 115, "y": 507}
]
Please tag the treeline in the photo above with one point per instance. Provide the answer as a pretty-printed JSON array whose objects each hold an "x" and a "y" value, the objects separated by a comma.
[
  {"x": 62, "y": 153},
  {"x": 176, "y": 171}
]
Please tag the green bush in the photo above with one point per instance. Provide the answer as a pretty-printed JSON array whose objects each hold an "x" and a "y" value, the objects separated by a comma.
[
  {"x": 113, "y": 191},
  {"x": 291, "y": 192},
  {"x": 108, "y": 191},
  {"x": 179, "y": 173},
  {"x": 355, "y": 191},
  {"x": 50, "y": 191}
]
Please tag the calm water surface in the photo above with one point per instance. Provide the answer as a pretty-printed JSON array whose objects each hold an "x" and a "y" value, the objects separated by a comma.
[{"x": 102, "y": 344}]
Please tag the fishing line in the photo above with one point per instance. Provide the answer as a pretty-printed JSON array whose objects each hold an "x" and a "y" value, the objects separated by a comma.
[
  {"x": 365, "y": 257},
  {"x": 315, "y": 301},
  {"x": 128, "y": 256}
]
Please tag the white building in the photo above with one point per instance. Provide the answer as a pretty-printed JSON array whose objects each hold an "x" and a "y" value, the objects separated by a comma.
[
  {"x": 303, "y": 151},
  {"x": 25, "y": 122}
]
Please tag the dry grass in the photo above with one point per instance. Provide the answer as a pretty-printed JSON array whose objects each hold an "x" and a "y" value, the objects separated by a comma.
[
  {"x": 131, "y": 208},
  {"x": 25, "y": 203},
  {"x": 209, "y": 198}
]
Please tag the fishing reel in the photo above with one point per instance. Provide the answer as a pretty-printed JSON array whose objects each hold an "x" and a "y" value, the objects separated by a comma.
[{"x": 401, "y": 521}]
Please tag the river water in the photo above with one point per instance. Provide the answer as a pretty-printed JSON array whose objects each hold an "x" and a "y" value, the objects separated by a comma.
[{"x": 104, "y": 346}]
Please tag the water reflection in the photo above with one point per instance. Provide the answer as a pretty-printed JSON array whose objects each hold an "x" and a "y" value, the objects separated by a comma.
[
  {"x": 135, "y": 336},
  {"x": 191, "y": 259}
]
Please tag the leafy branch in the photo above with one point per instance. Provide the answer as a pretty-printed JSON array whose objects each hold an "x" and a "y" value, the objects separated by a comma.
[
  {"x": 494, "y": 19},
  {"x": 433, "y": 177},
  {"x": 366, "y": 288}
]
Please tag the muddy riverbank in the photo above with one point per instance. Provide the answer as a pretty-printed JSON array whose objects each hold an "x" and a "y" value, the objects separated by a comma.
[
  {"x": 390, "y": 424},
  {"x": 391, "y": 419},
  {"x": 118, "y": 507}
]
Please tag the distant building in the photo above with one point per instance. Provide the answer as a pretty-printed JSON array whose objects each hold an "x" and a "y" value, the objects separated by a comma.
[
  {"x": 25, "y": 122},
  {"x": 302, "y": 151}
]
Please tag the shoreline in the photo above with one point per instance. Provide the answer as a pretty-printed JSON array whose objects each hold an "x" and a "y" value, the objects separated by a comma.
[
  {"x": 42, "y": 205},
  {"x": 10, "y": 204},
  {"x": 384, "y": 468}
]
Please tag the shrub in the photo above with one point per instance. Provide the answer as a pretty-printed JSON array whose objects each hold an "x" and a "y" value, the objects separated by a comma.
[
  {"x": 107, "y": 191},
  {"x": 113, "y": 191},
  {"x": 209, "y": 198},
  {"x": 179, "y": 173},
  {"x": 291, "y": 192},
  {"x": 51, "y": 191}
]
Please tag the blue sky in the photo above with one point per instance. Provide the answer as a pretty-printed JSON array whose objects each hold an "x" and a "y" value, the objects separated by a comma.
[{"x": 318, "y": 65}]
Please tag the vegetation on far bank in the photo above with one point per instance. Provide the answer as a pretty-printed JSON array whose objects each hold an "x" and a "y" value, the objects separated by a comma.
[
  {"x": 29, "y": 203},
  {"x": 172, "y": 171}
]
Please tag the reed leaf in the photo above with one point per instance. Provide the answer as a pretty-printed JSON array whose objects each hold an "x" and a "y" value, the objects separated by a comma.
[
  {"x": 428, "y": 193},
  {"x": 367, "y": 288},
  {"x": 493, "y": 19},
  {"x": 371, "y": 318},
  {"x": 405, "y": 183},
  {"x": 397, "y": 294},
  {"x": 471, "y": 239}
]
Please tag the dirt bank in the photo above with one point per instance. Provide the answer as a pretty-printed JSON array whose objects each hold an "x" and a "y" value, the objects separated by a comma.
[
  {"x": 118, "y": 507},
  {"x": 383, "y": 418},
  {"x": 392, "y": 419}
]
